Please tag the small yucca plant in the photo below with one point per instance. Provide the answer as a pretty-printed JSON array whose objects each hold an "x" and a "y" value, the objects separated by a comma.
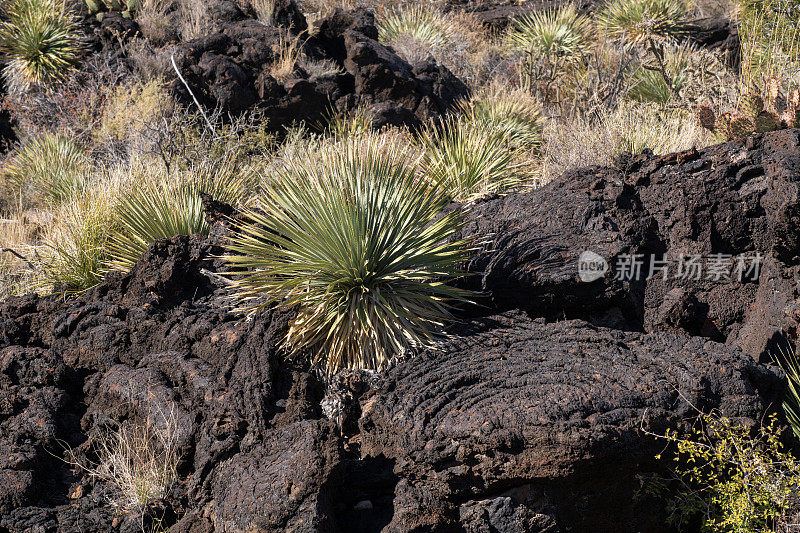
[
  {"x": 168, "y": 205},
  {"x": 559, "y": 32},
  {"x": 344, "y": 125},
  {"x": 74, "y": 248},
  {"x": 638, "y": 21},
  {"x": 358, "y": 244},
  {"x": 467, "y": 159},
  {"x": 40, "y": 42},
  {"x": 49, "y": 167},
  {"x": 513, "y": 112},
  {"x": 417, "y": 22}
]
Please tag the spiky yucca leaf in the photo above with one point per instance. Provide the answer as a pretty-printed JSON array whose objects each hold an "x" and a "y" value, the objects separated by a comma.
[
  {"x": 40, "y": 42},
  {"x": 558, "y": 32},
  {"x": 468, "y": 158},
  {"x": 352, "y": 239},
  {"x": 639, "y": 20},
  {"x": 513, "y": 112},
  {"x": 51, "y": 167},
  {"x": 169, "y": 205}
]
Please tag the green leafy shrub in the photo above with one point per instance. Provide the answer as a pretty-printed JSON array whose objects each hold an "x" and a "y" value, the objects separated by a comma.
[
  {"x": 468, "y": 158},
  {"x": 736, "y": 479},
  {"x": 40, "y": 42},
  {"x": 631, "y": 127},
  {"x": 350, "y": 237},
  {"x": 49, "y": 167}
]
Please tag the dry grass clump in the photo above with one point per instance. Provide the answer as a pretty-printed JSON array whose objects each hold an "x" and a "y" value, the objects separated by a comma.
[
  {"x": 194, "y": 19},
  {"x": 265, "y": 10},
  {"x": 630, "y": 128},
  {"x": 319, "y": 68},
  {"x": 288, "y": 54},
  {"x": 128, "y": 109},
  {"x": 356, "y": 242},
  {"x": 139, "y": 460},
  {"x": 156, "y": 21},
  {"x": 770, "y": 38},
  {"x": 16, "y": 236}
]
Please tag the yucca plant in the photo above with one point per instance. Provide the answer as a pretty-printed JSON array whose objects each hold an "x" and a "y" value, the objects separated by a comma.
[
  {"x": 40, "y": 42},
  {"x": 169, "y": 204},
  {"x": 49, "y": 167},
  {"x": 511, "y": 111},
  {"x": 558, "y": 32},
  {"x": 353, "y": 240},
  {"x": 552, "y": 43},
  {"x": 422, "y": 24},
  {"x": 467, "y": 159},
  {"x": 638, "y": 21},
  {"x": 72, "y": 256}
]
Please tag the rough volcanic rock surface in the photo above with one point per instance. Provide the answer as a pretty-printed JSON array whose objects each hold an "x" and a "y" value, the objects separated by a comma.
[
  {"x": 517, "y": 401},
  {"x": 233, "y": 70},
  {"x": 733, "y": 201}
]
